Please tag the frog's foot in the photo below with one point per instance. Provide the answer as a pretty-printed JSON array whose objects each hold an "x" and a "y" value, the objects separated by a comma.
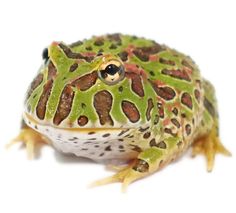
[
  {"x": 30, "y": 138},
  {"x": 125, "y": 175},
  {"x": 209, "y": 146},
  {"x": 115, "y": 168}
]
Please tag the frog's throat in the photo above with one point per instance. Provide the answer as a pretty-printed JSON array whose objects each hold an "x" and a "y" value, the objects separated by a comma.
[{"x": 30, "y": 121}]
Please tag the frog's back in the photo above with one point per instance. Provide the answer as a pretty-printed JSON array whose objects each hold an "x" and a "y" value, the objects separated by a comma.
[{"x": 174, "y": 76}]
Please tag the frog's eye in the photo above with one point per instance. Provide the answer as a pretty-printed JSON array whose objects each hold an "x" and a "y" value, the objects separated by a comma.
[
  {"x": 45, "y": 55},
  {"x": 112, "y": 72}
]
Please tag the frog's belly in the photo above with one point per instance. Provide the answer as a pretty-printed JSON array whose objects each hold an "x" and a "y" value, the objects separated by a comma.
[
  {"x": 93, "y": 149},
  {"x": 97, "y": 145}
]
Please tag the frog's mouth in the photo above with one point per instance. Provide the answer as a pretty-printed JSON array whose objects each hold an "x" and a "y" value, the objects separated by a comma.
[{"x": 81, "y": 133}]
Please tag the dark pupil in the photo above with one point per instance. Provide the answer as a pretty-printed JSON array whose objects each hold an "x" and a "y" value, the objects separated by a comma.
[
  {"x": 112, "y": 69},
  {"x": 45, "y": 54}
]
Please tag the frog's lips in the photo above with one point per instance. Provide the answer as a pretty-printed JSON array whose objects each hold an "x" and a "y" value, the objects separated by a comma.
[{"x": 33, "y": 121}]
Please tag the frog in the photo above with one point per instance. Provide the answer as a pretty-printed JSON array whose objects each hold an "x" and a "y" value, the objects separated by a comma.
[{"x": 125, "y": 98}]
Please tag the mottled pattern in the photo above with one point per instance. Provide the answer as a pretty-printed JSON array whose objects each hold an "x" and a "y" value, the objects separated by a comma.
[
  {"x": 165, "y": 92},
  {"x": 152, "y": 114},
  {"x": 136, "y": 83},
  {"x": 74, "y": 55},
  {"x": 85, "y": 82},
  {"x": 42, "y": 104},
  {"x": 64, "y": 106},
  {"x": 130, "y": 111},
  {"x": 149, "y": 108},
  {"x": 182, "y": 75},
  {"x": 186, "y": 100},
  {"x": 102, "y": 104}
]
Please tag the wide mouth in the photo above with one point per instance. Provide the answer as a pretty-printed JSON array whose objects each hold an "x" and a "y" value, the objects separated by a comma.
[{"x": 33, "y": 122}]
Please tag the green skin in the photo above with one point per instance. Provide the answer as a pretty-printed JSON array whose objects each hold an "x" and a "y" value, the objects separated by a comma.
[{"x": 195, "y": 120}]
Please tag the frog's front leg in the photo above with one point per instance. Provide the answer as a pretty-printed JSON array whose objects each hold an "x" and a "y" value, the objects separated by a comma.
[
  {"x": 31, "y": 138},
  {"x": 147, "y": 162}
]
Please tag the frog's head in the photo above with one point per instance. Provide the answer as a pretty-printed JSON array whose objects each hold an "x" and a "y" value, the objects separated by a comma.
[{"x": 81, "y": 89}]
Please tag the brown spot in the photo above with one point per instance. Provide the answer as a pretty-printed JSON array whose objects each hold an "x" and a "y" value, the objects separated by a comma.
[
  {"x": 175, "y": 122},
  {"x": 115, "y": 37},
  {"x": 143, "y": 129},
  {"x": 73, "y": 67},
  {"x": 182, "y": 75},
  {"x": 130, "y": 111},
  {"x": 82, "y": 120},
  {"x": 164, "y": 92},
  {"x": 85, "y": 82},
  {"x": 186, "y": 99},
  {"x": 36, "y": 82},
  {"x": 113, "y": 46},
  {"x": 136, "y": 83},
  {"x": 74, "y": 55},
  {"x": 156, "y": 48},
  {"x": 188, "y": 129},
  {"x": 175, "y": 111},
  {"x": 140, "y": 55},
  {"x": 152, "y": 142},
  {"x": 123, "y": 56},
  {"x": 123, "y": 132},
  {"x": 64, "y": 106},
  {"x": 141, "y": 166},
  {"x": 99, "y": 42},
  {"x": 161, "y": 145},
  {"x": 149, "y": 109},
  {"x": 143, "y": 53},
  {"x": 108, "y": 148},
  {"x": 83, "y": 105},
  {"x": 152, "y": 73},
  {"x": 186, "y": 64},
  {"x": 89, "y": 48},
  {"x": 160, "y": 110},
  {"x": 169, "y": 131},
  {"x": 147, "y": 135},
  {"x": 121, "y": 147},
  {"x": 106, "y": 135},
  {"x": 156, "y": 120},
  {"x": 209, "y": 106},
  {"x": 136, "y": 148},
  {"x": 100, "y": 52},
  {"x": 103, "y": 103},
  {"x": 120, "y": 89},
  {"x": 42, "y": 104},
  {"x": 91, "y": 133},
  {"x": 166, "y": 61},
  {"x": 75, "y": 44},
  {"x": 51, "y": 71},
  {"x": 197, "y": 95}
]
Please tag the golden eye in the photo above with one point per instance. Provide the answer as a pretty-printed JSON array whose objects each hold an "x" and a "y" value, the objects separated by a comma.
[{"x": 112, "y": 72}]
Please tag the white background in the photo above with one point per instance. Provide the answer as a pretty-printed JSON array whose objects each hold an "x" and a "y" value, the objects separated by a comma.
[{"x": 54, "y": 183}]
